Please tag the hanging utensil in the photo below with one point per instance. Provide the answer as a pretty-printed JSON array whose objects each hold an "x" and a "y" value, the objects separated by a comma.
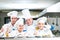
[{"x": 56, "y": 21}]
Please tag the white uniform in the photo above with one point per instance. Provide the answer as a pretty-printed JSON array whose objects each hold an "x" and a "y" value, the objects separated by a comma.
[
  {"x": 16, "y": 33},
  {"x": 30, "y": 30},
  {"x": 8, "y": 27},
  {"x": 44, "y": 33}
]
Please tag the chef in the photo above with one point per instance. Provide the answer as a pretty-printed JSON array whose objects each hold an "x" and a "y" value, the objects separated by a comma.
[
  {"x": 20, "y": 29},
  {"x": 29, "y": 24},
  {"x": 41, "y": 30},
  {"x": 7, "y": 28}
]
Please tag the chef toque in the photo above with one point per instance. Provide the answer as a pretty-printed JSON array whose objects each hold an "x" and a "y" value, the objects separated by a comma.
[
  {"x": 12, "y": 14},
  {"x": 26, "y": 13}
]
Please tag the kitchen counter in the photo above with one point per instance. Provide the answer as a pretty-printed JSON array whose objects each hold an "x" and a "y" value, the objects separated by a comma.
[{"x": 11, "y": 38}]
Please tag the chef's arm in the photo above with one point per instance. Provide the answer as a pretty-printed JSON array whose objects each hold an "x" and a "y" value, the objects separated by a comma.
[{"x": 51, "y": 34}]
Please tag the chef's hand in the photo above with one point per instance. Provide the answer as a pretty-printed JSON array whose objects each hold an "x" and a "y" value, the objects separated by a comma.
[{"x": 36, "y": 33}]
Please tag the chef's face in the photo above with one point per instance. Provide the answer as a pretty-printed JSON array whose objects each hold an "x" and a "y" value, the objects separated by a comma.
[
  {"x": 29, "y": 21},
  {"x": 20, "y": 28},
  {"x": 40, "y": 25},
  {"x": 13, "y": 20}
]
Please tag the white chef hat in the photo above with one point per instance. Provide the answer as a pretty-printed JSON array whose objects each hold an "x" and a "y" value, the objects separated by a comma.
[
  {"x": 12, "y": 14},
  {"x": 19, "y": 22},
  {"x": 26, "y": 13},
  {"x": 42, "y": 20}
]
